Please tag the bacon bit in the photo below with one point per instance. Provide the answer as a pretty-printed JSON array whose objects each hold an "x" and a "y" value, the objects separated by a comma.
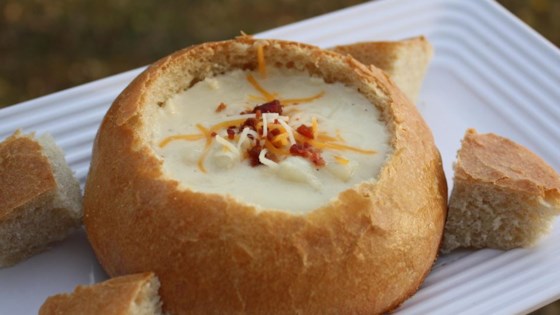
[
  {"x": 273, "y": 106},
  {"x": 299, "y": 149},
  {"x": 221, "y": 107},
  {"x": 253, "y": 154},
  {"x": 305, "y": 131},
  {"x": 231, "y": 132},
  {"x": 250, "y": 122},
  {"x": 317, "y": 159},
  {"x": 306, "y": 151},
  {"x": 213, "y": 134},
  {"x": 258, "y": 113}
]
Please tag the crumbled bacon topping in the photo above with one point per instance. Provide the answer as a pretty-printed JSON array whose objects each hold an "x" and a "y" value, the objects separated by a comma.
[
  {"x": 306, "y": 150},
  {"x": 273, "y": 106},
  {"x": 250, "y": 122},
  {"x": 305, "y": 131},
  {"x": 221, "y": 107},
  {"x": 253, "y": 154},
  {"x": 231, "y": 132}
]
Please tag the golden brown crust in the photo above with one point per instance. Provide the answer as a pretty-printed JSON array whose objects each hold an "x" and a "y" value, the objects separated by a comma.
[
  {"x": 504, "y": 196},
  {"x": 112, "y": 297},
  {"x": 383, "y": 54},
  {"x": 491, "y": 159},
  {"x": 405, "y": 61},
  {"x": 26, "y": 174},
  {"x": 366, "y": 252}
]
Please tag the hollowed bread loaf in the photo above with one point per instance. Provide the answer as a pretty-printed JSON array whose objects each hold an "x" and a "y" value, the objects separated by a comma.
[{"x": 218, "y": 219}]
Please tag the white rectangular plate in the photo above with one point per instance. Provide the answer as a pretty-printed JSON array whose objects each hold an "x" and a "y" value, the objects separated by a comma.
[{"x": 490, "y": 72}]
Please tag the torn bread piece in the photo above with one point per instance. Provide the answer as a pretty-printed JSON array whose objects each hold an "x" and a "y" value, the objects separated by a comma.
[
  {"x": 405, "y": 61},
  {"x": 126, "y": 295},
  {"x": 504, "y": 196},
  {"x": 40, "y": 200}
]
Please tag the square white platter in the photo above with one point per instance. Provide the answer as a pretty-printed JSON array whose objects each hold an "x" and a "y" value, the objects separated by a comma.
[{"x": 490, "y": 72}]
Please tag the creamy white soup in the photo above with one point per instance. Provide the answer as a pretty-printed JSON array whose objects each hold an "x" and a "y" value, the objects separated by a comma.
[{"x": 284, "y": 141}]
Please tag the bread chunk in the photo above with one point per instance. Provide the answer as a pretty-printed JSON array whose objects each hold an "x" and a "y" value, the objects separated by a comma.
[
  {"x": 405, "y": 61},
  {"x": 126, "y": 295},
  {"x": 40, "y": 200},
  {"x": 504, "y": 196}
]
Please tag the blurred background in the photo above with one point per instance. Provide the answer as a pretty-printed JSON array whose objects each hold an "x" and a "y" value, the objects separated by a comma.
[{"x": 48, "y": 46}]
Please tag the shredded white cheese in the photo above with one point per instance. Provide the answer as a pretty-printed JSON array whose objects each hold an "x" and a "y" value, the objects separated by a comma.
[
  {"x": 264, "y": 160},
  {"x": 228, "y": 145},
  {"x": 265, "y": 125},
  {"x": 243, "y": 137},
  {"x": 266, "y": 117},
  {"x": 288, "y": 130}
]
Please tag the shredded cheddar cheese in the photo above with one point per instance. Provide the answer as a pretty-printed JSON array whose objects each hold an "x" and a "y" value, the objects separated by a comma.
[
  {"x": 261, "y": 61},
  {"x": 208, "y": 136},
  {"x": 341, "y": 160},
  {"x": 167, "y": 140},
  {"x": 269, "y": 146},
  {"x": 226, "y": 144},
  {"x": 267, "y": 95},
  {"x": 281, "y": 139},
  {"x": 288, "y": 130},
  {"x": 314, "y": 127},
  {"x": 245, "y": 136},
  {"x": 295, "y": 101},
  {"x": 326, "y": 138},
  {"x": 264, "y": 160}
]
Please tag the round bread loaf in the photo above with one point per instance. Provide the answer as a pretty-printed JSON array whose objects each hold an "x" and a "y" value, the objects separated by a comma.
[{"x": 364, "y": 251}]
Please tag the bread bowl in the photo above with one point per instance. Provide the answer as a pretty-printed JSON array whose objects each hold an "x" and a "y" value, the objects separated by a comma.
[{"x": 364, "y": 249}]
